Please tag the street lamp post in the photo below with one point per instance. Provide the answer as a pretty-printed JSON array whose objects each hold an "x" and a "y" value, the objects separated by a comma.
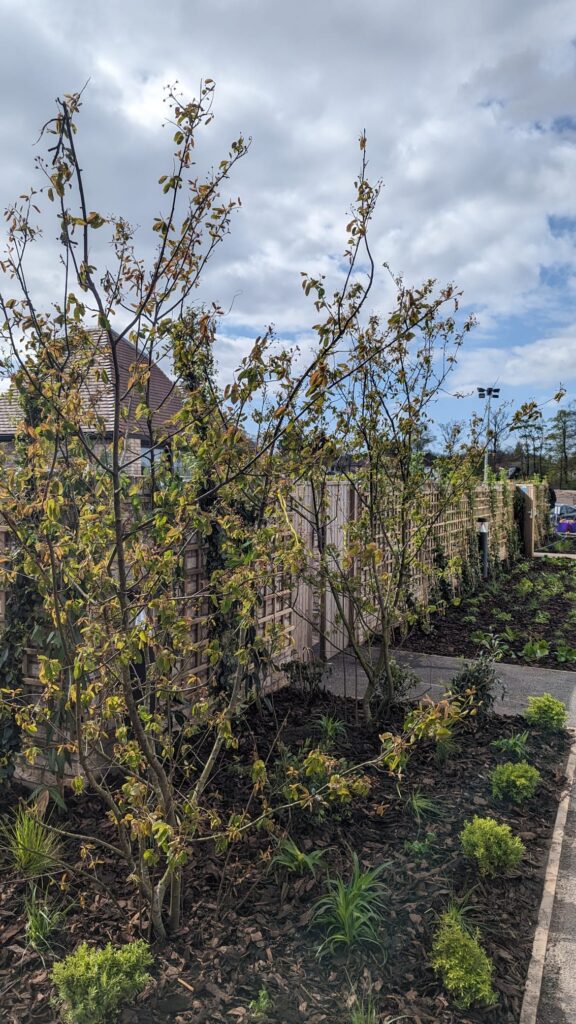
[{"x": 488, "y": 394}]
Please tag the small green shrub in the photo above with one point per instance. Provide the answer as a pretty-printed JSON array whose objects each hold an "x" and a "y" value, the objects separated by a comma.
[
  {"x": 351, "y": 911},
  {"x": 34, "y": 849},
  {"x": 514, "y": 746},
  {"x": 477, "y": 683},
  {"x": 296, "y": 861},
  {"x": 493, "y": 846},
  {"x": 93, "y": 984},
  {"x": 514, "y": 782},
  {"x": 546, "y": 713},
  {"x": 464, "y": 967}
]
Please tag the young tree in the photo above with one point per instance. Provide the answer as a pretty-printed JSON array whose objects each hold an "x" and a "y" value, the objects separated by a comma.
[
  {"x": 560, "y": 444},
  {"x": 374, "y": 416},
  {"x": 106, "y": 549}
]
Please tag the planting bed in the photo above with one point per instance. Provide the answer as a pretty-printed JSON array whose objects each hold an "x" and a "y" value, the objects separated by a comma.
[
  {"x": 531, "y": 608},
  {"x": 248, "y": 927}
]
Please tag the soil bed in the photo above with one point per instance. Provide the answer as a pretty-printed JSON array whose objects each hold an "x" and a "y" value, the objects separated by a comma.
[
  {"x": 246, "y": 927},
  {"x": 531, "y": 608}
]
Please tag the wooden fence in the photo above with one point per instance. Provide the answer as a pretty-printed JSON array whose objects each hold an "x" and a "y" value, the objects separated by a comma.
[{"x": 307, "y": 614}]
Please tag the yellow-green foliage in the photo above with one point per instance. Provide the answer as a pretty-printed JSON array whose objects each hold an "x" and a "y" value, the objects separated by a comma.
[
  {"x": 93, "y": 984},
  {"x": 493, "y": 846},
  {"x": 514, "y": 782},
  {"x": 464, "y": 967},
  {"x": 546, "y": 712}
]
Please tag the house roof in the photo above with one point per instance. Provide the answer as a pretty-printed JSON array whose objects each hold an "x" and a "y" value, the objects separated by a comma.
[{"x": 98, "y": 394}]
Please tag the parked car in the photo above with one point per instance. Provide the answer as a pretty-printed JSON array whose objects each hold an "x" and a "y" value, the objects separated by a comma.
[{"x": 562, "y": 512}]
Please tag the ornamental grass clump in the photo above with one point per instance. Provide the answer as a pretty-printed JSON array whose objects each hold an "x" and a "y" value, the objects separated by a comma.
[
  {"x": 493, "y": 846},
  {"x": 464, "y": 967},
  {"x": 94, "y": 984},
  {"x": 546, "y": 713},
  {"x": 514, "y": 782},
  {"x": 34, "y": 849},
  {"x": 350, "y": 913}
]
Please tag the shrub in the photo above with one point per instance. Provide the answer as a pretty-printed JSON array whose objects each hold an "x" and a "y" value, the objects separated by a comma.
[
  {"x": 33, "y": 848},
  {"x": 491, "y": 845},
  {"x": 514, "y": 782},
  {"x": 546, "y": 713},
  {"x": 93, "y": 984},
  {"x": 350, "y": 912},
  {"x": 476, "y": 685},
  {"x": 464, "y": 967}
]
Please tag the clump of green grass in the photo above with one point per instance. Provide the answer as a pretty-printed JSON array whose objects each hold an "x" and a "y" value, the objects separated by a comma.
[{"x": 32, "y": 847}]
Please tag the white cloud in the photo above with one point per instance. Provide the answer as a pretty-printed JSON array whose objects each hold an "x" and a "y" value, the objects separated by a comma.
[
  {"x": 547, "y": 361},
  {"x": 458, "y": 100}
]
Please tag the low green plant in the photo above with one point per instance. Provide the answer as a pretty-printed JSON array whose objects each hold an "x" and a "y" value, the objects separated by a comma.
[
  {"x": 33, "y": 848},
  {"x": 364, "y": 1013},
  {"x": 493, "y": 846},
  {"x": 515, "y": 782},
  {"x": 262, "y": 1004},
  {"x": 564, "y": 653},
  {"x": 524, "y": 587},
  {"x": 542, "y": 617},
  {"x": 469, "y": 620},
  {"x": 446, "y": 748},
  {"x": 42, "y": 920},
  {"x": 534, "y": 650},
  {"x": 421, "y": 806},
  {"x": 295, "y": 861},
  {"x": 515, "y": 747},
  {"x": 94, "y": 984},
  {"x": 477, "y": 682},
  {"x": 546, "y": 713},
  {"x": 503, "y": 616},
  {"x": 419, "y": 849},
  {"x": 332, "y": 730},
  {"x": 350, "y": 912},
  {"x": 464, "y": 967}
]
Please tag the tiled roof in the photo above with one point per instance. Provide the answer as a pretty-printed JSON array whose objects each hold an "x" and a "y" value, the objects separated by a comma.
[{"x": 98, "y": 395}]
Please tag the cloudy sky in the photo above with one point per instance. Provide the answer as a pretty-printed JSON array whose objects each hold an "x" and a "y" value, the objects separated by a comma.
[{"x": 470, "y": 113}]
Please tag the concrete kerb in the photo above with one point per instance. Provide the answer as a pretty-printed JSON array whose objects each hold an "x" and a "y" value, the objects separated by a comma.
[{"x": 533, "y": 988}]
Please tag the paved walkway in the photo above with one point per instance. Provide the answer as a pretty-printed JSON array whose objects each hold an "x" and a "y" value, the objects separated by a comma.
[{"x": 558, "y": 998}]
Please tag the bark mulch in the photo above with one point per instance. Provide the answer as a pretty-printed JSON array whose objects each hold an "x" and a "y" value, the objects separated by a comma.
[
  {"x": 506, "y": 607},
  {"x": 246, "y": 927}
]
